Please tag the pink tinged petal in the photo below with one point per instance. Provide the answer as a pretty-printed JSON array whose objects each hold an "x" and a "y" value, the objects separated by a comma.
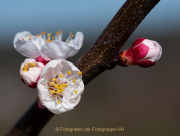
[
  {"x": 140, "y": 51},
  {"x": 33, "y": 85},
  {"x": 137, "y": 42},
  {"x": 25, "y": 47},
  {"x": 40, "y": 105},
  {"x": 145, "y": 63},
  {"x": 41, "y": 59},
  {"x": 154, "y": 52}
]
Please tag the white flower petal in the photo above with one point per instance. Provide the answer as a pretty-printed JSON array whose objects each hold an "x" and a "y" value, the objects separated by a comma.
[
  {"x": 56, "y": 50},
  {"x": 155, "y": 50},
  {"x": 63, "y": 50},
  {"x": 26, "y": 47},
  {"x": 76, "y": 43}
]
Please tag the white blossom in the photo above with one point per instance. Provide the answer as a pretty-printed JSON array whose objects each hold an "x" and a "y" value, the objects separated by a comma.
[
  {"x": 60, "y": 86},
  {"x": 50, "y": 48}
]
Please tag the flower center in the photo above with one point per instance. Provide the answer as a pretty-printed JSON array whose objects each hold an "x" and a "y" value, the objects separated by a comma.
[
  {"x": 27, "y": 66},
  {"x": 58, "y": 84}
]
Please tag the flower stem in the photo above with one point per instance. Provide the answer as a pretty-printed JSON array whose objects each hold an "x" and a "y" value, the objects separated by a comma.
[{"x": 102, "y": 56}]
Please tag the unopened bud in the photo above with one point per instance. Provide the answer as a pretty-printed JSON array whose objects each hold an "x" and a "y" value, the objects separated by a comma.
[{"x": 143, "y": 53}]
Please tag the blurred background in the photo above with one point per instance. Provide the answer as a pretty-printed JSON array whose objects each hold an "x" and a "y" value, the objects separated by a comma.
[{"x": 143, "y": 101}]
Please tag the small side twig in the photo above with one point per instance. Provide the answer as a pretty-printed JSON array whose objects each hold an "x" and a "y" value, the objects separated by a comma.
[{"x": 100, "y": 57}]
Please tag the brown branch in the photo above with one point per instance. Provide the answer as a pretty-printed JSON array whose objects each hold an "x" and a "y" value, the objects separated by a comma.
[{"x": 100, "y": 57}]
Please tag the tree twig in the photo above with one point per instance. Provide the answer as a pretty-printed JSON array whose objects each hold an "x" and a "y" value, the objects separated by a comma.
[{"x": 101, "y": 56}]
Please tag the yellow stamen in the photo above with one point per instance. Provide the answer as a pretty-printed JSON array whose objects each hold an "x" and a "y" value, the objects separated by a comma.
[
  {"x": 61, "y": 75},
  {"x": 52, "y": 83},
  {"x": 70, "y": 33},
  {"x": 75, "y": 91},
  {"x": 74, "y": 80},
  {"x": 25, "y": 70},
  {"x": 25, "y": 36},
  {"x": 69, "y": 72},
  {"x": 61, "y": 31},
  {"x": 58, "y": 102},
  {"x": 57, "y": 33},
  {"x": 32, "y": 65},
  {"x": 72, "y": 36},
  {"x": 58, "y": 91},
  {"x": 79, "y": 73},
  {"x": 52, "y": 91},
  {"x": 22, "y": 38},
  {"x": 60, "y": 87},
  {"x": 62, "y": 90},
  {"x": 67, "y": 42},
  {"x": 48, "y": 36},
  {"x": 43, "y": 32},
  {"x": 53, "y": 37},
  {"x": 65, "y": 85},
  {"x": 29, "y": 38},
  {"x": 38, "y": 34},
  {"x": 56, "y": 86},
  {"x": 54, "y": 79}
]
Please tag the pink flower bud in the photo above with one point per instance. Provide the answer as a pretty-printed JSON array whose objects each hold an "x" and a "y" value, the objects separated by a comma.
[
  {"x": 30, "y": 72},
  {"x": 143, "y": 53},
  {"x": 42, "y": 60}
]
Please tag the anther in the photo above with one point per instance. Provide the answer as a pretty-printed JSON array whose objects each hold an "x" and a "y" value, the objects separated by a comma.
[
  {"x": 72, "y": 36},
  {"x": 79, "y": 73},
  {"x": 74, "y": 80},
  {"x": 29, "y": 38},
  {"x": 75, "y": 91},
  {"x": 52, "y": 83},
  {"x": 69, "y": 72},
  {"x": 61, "y": 75},
  {"x": 67, "y": 42},
  {"x": 62, "y": 90},
  {"x": 58, "y": 102},
  {"x": 57, "y": 33},
  {"x": 43, "y": 32},
  {"x": 70, "y": 33},
  {"x": 54, "y": 79},
  {"x": 52, "y": 91},
  {"x": 61, "y": 31},
  {"x": 22, "y": 38},
  {"x": 58, "y": 91}
]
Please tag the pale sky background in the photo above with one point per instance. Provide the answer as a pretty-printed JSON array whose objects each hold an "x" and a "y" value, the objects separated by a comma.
[{"x": 90, "y": 17}]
